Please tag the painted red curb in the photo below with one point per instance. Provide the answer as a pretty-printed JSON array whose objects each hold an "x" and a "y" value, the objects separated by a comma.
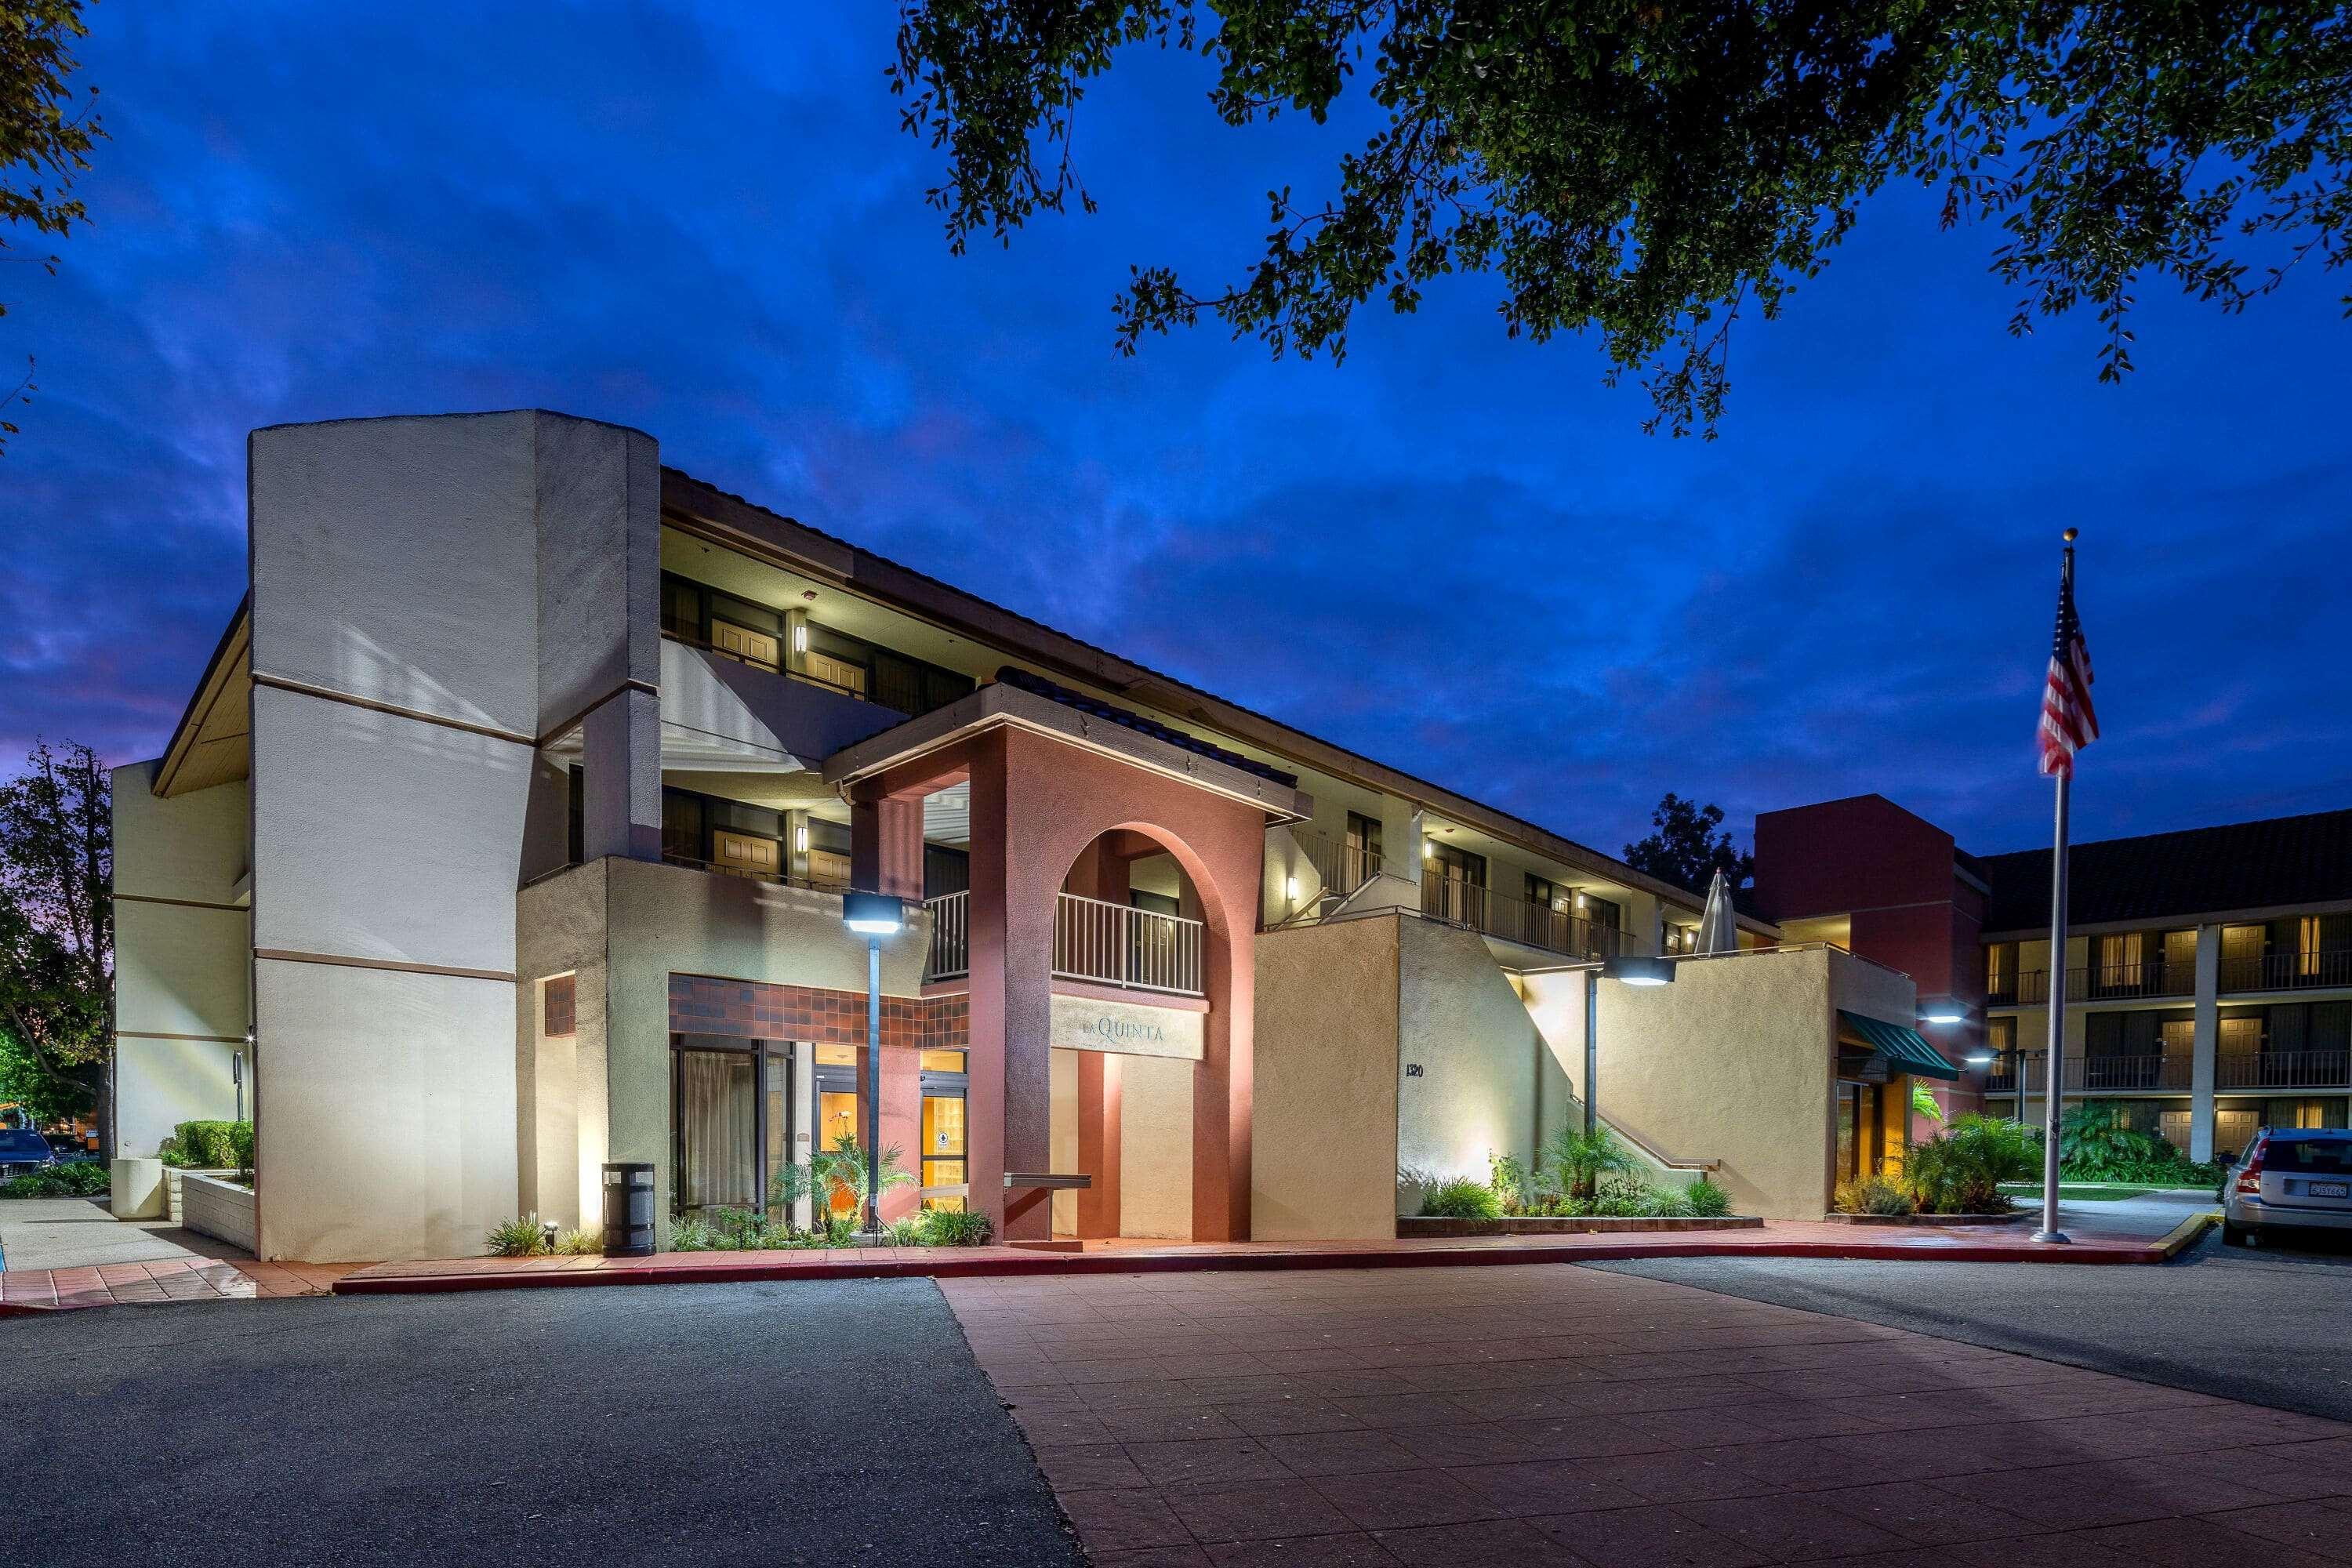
[{"x": 950, "y": 1267}]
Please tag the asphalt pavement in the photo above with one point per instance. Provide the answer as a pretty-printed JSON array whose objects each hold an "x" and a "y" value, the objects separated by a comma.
[
  {"x": 2265, "y": 1325},
  {"x": 834, "y": 1422}
]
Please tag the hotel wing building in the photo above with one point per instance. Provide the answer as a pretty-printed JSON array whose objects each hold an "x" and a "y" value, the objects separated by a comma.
[
  {"x": 2208, "y": 986},
  {"x": 506, "y": 834}
]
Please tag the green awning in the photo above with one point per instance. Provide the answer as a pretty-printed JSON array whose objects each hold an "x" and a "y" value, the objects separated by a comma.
[{"x": 1906, "y": 1050}]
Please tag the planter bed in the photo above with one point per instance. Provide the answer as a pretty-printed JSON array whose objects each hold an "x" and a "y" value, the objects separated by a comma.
[
  {"x": 1928, "y": 1219},
  {"x": 218, "y": 1207},
  {"x": 1423, "y": 1227}
]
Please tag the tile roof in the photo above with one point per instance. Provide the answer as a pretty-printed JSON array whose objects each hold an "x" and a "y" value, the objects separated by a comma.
[{"x": 2287, "y": 860}]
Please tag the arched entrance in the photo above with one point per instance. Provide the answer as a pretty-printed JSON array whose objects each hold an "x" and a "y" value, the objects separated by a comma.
[{"x": 1042, "y": 802}]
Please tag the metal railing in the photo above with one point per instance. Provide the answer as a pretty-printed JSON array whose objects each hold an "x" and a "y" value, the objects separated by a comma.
[
  {"x": 2283, "y": 1070},
  {"x": 2286, "y": 970},
  {"x": 2149, "y": 977},
  {"x": 1343, "y": 866},
  {"x": 1477, "y": 908},
  {"x": 950, "y": 954},
  {"x": 2138, "y": 1070},
  {"x": 1117, "y": 944},
  {"x": 2024, "y": 989},
  {"x": 697, "y": 641}
]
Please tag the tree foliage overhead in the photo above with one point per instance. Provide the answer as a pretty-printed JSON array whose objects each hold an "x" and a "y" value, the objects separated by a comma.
[
  {"x": 56, "y": 921},
  {"x": 1649, "y": 170},
  {"x": 1686, "y": 850},
  {"x": 47, "y": 130}
]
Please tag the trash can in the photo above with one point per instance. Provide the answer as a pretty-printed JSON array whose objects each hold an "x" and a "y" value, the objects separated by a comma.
[{"x": 628, "y": 1210}]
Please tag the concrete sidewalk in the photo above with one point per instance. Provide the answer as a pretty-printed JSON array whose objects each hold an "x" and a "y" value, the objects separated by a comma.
[
  {"x": 58, "y": 1254},
  {"x": 79, "y": 1233}
]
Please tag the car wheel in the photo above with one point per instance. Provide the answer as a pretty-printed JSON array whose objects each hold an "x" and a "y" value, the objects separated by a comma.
[{"x": 2236, "y": 1235}]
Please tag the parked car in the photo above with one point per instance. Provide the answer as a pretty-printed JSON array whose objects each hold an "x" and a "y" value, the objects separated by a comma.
[
  {"x": 23, "y": 1151},
  {"x": 2289, "y": 1178}
]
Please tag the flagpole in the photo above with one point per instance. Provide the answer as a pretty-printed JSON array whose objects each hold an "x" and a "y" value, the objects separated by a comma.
[{"x": 2054, "y": 1080}]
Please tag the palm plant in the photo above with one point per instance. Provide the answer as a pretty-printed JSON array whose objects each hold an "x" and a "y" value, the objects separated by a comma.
[
  {"x": 836, "y": 1173},
  {"x": 1572, "y": 1160}
]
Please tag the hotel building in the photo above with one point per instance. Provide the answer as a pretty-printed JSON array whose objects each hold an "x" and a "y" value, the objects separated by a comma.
[
  {"x": 2208, "y": 972},
  {"x": 506, "y": 835}
]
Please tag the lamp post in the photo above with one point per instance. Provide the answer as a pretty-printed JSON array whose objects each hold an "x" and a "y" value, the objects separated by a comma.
[
  {"x": 1631, "y": 971},
  {"x": 873, "y": 916}
]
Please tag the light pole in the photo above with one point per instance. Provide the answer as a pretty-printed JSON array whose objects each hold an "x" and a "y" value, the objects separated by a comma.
[
  {"x": 1631, "y": 971},
  {"x": 873, "y": 916}
]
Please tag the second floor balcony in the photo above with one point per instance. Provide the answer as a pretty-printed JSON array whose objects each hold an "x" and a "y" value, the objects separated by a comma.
[
  {"x": 2290, "y": 971},
  {"x": 2174, "y": 1073},
  {"x": 1482, "y": 910},
  {"x": 1094, "y": 940}
]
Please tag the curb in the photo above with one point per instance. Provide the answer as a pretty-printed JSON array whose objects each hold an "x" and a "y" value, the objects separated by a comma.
[
  {"x": 1044, "y": 1264},
  {"x": 2187, "y": 1234}
]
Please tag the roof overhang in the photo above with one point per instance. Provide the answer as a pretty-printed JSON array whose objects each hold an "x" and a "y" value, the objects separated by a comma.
[
  {"x": 998, "y": 706},
  {"x": 212, "y": 745}
]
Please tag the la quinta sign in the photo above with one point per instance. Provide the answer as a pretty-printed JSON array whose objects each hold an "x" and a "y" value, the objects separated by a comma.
[{"x": 1127, "y": 1029}]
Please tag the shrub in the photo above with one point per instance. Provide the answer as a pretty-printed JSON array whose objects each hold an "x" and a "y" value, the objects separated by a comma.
[
  {"x": 1509, "y": 1177},
  {"x": 1571, "y": 1162},
  {"x": 1959, "y": 1171},
  {"x": 74, "y": 1179},
  {"x": 1873, "y": 1195},
  {"x": 907, "y": 1230},
  {"x": 689, "y": 1233},
  {"x": 1461, "y": 1198},
  {"x": 1707, "y": 1199},
  {"x": 581, "y": 1244},
  {"x": 2093, "y": 1146},
  {"x": 523, "y": 1238},
  {"x": 209, "y": 1146},
  {"x": 1631, "y": 1198},
  {"x": 956, "y": 1228}
]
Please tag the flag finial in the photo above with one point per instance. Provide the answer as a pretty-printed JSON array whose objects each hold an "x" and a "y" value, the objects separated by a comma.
[{"x": 2069, "y": 535}]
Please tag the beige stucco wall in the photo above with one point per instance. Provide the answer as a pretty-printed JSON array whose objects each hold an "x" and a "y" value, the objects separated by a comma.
[
  {"x": 560, "y": 1099},
  {"x": 1731, "y": 1062},
  {"x": 1479, "y": 1092},
  {"x": 1323, "y": 1127},
  {"x": 183, "y": 954},
  {"x": 1155, "y": 1147},
  {"x": 664, "y": 919}
]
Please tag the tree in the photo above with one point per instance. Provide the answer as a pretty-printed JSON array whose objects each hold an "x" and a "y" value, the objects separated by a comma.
[
  {"x": 45, "y": 139},
  {"x": 1651, "y": 169},
  {"x": 57, "y": 927},
  {"x": 1686, "y": 851}
]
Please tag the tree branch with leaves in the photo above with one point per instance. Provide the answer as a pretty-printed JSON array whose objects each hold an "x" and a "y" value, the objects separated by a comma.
[
  {"x": 1649, "y": 171},
  {"x": 48, "y": 128},
  {"x": 57, "y": 924}
]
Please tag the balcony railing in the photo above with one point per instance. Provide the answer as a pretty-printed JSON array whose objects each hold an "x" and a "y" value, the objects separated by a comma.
[
  {"x": 950, "y": 950},
  {"x": 2027, "y": 988},
  {"x": 1117, "y": 944},
  {"x": 1343, "y": 866},
  {"x": 1481, "y": 909},
  {"x": 2099, "y": 1075},
  {"x": 2152, "y": 977},
  {"x": 2286, "y": 970},
  {"x": 2283, "y": 1070},
  {"x": 678, "y": 633}
]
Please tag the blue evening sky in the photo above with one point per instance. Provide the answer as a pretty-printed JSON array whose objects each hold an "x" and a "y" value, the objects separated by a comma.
[{"x": 1454, "y": 551}]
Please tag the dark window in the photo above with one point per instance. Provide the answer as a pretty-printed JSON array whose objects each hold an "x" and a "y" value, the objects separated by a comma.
[
  {"x": 683, "y": 608},
  {"x": 1546, "y": 893},
  {"x": 559, "y": 1007},
  {"x": 1458, "y": 865},
  {"x": 576, "y": 813},
  {"x": 2308, "y": 1156},
  {"x": 945, "y": 871},
  {"x": 1360, "y": 858},
  {"x": 1157, "y": 903}
]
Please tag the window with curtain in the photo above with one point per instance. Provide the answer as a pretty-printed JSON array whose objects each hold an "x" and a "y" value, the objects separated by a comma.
[{"x": 716, "y": 1113}]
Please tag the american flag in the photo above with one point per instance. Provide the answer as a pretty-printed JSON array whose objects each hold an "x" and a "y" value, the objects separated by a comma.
[{"x": 2069, "y": 723}]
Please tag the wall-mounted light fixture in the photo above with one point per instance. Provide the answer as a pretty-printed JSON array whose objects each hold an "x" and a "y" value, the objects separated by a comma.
[
  {"x": 1290, "y": 890},
  {"x": 799, "y": 636},
  {"x": 1942, "y": 1010},
  {"x": 800, "y": 839},
  {"x": 1580, "y": 899},
  {"x": 1428, "y": 850}
]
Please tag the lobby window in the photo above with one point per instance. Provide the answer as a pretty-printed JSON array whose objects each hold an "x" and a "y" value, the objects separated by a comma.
[{"x": 945, "y": 1176}]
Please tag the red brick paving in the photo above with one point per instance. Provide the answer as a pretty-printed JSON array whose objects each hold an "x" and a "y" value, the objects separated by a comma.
[
  {"x": 168, "y": 1279},
  {"x": 1548, "y": 1414}
]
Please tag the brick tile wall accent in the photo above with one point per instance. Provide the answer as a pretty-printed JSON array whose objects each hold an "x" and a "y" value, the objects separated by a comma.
[{"x": 749, "y": 1009}]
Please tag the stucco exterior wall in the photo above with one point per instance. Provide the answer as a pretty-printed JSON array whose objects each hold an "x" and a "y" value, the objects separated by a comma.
[
  {"x": 664, "y": 919},
  {"x": 561, "y": 1101},
  {"x": 183, "y": 955},
  {"x": 1324, "y": 1163},
  {"x": 1477, "y": 1096},
  {"x": 1732, "y": 1062},
  {"x": 1156, "y": 1146},
  {"x": 1066, "y": 1137},
  {"x": 402, "y": 677}
]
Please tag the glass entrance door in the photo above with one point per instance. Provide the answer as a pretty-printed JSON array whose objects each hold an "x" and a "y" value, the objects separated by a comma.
[
  {"x": 840, "y": 1111},
  {"x": 946, "y": 1177}
]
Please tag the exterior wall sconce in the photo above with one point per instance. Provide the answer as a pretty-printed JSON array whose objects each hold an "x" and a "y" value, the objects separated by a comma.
[
  {"x": 1580, "y": 899},
  {"x": 800, "y": 839},
  {"x": 1939, "y": 1011},
  {"x": 1290, "y": 890},
  {"x": 799, "y": 636}
]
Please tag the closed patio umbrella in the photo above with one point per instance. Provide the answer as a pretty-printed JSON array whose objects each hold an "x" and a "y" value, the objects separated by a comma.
[{"x": 1717, "y": 930}]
